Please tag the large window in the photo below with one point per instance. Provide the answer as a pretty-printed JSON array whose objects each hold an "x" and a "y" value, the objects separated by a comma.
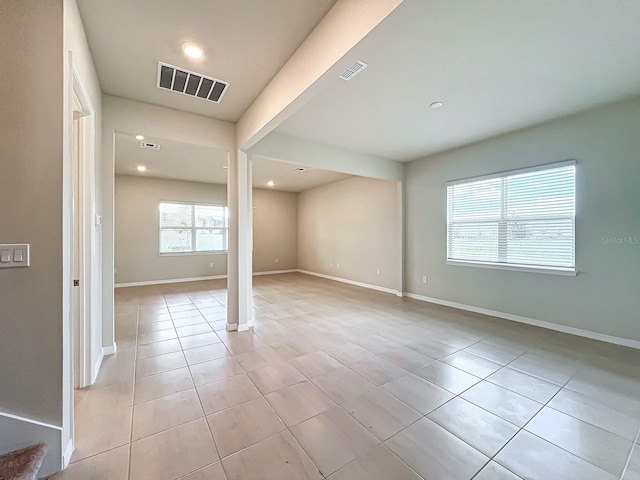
[
  {"x": 189, "y": 228},
  {"x": 523, "y": 219}
]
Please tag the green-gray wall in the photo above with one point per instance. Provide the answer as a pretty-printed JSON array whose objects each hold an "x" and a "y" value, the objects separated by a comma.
[{"x": 603, "y": 297}]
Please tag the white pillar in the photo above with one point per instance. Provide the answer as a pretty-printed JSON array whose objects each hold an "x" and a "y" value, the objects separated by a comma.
[{"x": 239, "y": 270}]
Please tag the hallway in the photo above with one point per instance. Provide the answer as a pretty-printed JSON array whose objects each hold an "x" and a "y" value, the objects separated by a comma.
[{"x": 345, "y": 383}]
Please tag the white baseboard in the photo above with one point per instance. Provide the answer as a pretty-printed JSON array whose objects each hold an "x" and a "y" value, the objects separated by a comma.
[
  {"x": 110, "y": 350},
  {"x": 66, "y": 455},
  {"x": 96, "y": 367},
  {"x": 275, "y": 272},
  {"x": 353, "y": 282},
  {"x": 29, "y": 420},
  {"x": 171, "y": 280},
  {"x": 20, "y": 432},
  {"x": 195, "y": 279},
  {"x": 530, "y": 321}
]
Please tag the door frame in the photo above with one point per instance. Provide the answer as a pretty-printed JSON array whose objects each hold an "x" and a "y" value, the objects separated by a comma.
[{"x": 84, "y": 113}]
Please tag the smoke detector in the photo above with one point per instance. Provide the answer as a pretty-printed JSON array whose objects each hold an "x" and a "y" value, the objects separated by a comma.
[
  {"x": 353, "y": 70},
  {"x": 190, "y": 83},
  {"x": 299, "y": 169}
]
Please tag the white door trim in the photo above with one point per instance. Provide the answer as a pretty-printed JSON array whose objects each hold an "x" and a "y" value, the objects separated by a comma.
[{"x": 84, "y": 112}]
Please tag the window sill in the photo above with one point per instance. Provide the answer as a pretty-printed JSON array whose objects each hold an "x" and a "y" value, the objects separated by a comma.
[
  {"x": 517, "y": 268},
  {"x": 184, "y": 254}
]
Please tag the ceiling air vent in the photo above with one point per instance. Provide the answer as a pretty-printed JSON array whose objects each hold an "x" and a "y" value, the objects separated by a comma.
[
  {"x": 353, "y": 70},
  {"x": 190, "y": 83},
  {"x": 154, "y": 146}
]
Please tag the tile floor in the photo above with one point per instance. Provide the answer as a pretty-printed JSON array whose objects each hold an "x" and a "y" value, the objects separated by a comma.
[{"x": 342, "y": 383}]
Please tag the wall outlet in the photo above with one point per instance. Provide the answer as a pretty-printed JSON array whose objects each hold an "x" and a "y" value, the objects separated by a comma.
[
  {"x": 424, "y": 279},
  {"x": 378, "y": 272},
  {"x": 211, "y": 265},
  {"x": 277, "y": 260}
]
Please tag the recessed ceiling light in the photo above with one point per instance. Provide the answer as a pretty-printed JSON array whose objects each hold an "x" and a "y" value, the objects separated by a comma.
[
  {"x": 141, "y": 168},
  {"x": 270, "y": 183},
  {"x": 436, "y": 104},
  {"x": 224, "y": 166},
  {"x": 193, "y": 51},
  {"x": 139, "y": 137}
]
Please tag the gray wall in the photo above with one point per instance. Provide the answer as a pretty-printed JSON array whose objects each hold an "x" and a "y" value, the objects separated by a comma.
[
  {"x": 275, "y": 230},
  {"x": 136, "y": 230},
  {"x": 31, "y": 196},
  {"x": 603, "y": 297},
  {"x": 355, "y": 223},
  {"x": 31, "y": 155}
]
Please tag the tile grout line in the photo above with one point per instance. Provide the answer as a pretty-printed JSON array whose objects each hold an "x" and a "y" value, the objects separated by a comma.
[
  {"x": 133, "y": 392},
  {"x": 182, "y": 351},
  {"x": 481, "y": 380},
  {"x": 215, "y": 447},
  {"x": 380, "y": 442},
  {"x": 633, "y": 447},
  {"x": 287, "y": 428},
  {"x": 546, "y": 404},
  {"x": 491, "y": 458}
]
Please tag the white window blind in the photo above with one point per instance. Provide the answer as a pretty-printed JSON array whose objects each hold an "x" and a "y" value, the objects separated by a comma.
[
  {"x": 523, "y": 218},
  {"x": 193, "y": 228}
]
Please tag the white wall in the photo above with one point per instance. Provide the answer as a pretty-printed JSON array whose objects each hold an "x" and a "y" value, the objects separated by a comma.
[
  {"x": 128, "y": 116},
  {"x": 137, "y": 227},
  {"x": 356, "y": 224},
  {"x": 603, "y": 297}
]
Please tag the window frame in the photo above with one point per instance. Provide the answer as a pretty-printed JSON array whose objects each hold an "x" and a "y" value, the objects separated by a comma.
[
  {"x": 503, "y": 220},
  {"x": 194, "y": 229}
]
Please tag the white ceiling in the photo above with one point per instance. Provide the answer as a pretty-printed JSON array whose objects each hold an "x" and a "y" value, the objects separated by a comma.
[
  {"x": 196, "y": 163},
  {"x": 176, "y": 160},
  {"x": 497, "y": 65},
  {"x": 285, "y": 177},
  {"x": 246, "y": 43}
]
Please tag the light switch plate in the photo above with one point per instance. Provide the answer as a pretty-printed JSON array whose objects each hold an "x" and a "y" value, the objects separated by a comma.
[{"x": 16, "y": 253}]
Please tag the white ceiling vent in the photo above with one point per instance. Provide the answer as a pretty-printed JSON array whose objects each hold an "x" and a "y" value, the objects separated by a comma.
[
  {"x": 299, "y": 169},
  {"x": 353, "y": 70},
  {"x": 190, "y": 83},
  {"x": 154, "y": 146}
]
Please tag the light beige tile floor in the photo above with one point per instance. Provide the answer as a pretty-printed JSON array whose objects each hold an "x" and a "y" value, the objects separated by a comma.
[{"x": 343, "y": 383}]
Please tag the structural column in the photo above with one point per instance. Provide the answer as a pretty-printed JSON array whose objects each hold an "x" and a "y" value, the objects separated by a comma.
[{"x": 240, "y": 248}]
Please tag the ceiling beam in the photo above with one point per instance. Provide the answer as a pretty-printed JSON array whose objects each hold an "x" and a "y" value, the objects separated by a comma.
[
  {"x": 285, "y": 148},
  {"x": 304, "y": 74}
]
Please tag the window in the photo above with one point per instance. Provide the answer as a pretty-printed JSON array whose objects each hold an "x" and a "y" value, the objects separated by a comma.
[
  {"x": 524, "y": 219},
  {"x": 189, "y": 228}
]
